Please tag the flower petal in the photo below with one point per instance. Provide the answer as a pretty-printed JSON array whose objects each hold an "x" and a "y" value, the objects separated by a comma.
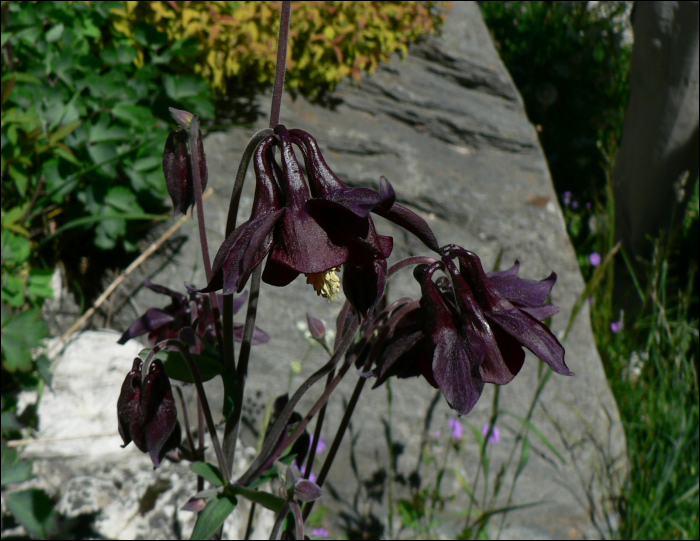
[
  {"x": 259, "y": 336},
  {"x": 241, "y": 252},
  {"x": 364, "y": 283},
  {"x": 523, "y": 292},
  {"x": 534, "y": 335},
  {"x": 152, "y": 320},
  {"x": 412, "y": 223},
  {"x": 159, "y": 412},
  {"x": 508, "y": 272},
  {"x": 129, "y": 408},
  {"x": 456, "y": 367}
]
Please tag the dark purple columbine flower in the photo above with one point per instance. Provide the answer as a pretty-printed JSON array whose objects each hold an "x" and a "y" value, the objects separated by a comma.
[
  {"x": 312, "y": 228},
  {"x": 468, "y": 331},
  {"x": 161, "y": 324},
  {"x": 177, "y": 166},
  {"x": 146, "y": 411},
  {"x": 513, "y": 327}
]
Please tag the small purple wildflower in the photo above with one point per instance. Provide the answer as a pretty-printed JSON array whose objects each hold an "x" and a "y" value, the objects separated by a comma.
[
  {"x": 590, "y": 301},
  {"x": 321, "y": 533},
  {"x": 595, "y": 259},
  {"x": 437, "y": 434},
  {"x": 616, "y": 326},
  {"x": 588, "y": 205},
  {"x": 456, "y": 427},
  {"x": 312, "y": 477},
  {"x": 495, "y": 436},
  {"x": 574, "y": 205},
  {"x": 321, "y": 444},
  {"x": 567, "y": 198}
]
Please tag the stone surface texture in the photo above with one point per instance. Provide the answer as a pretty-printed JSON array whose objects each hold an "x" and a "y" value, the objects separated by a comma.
[{"x": 448, "y": 128}]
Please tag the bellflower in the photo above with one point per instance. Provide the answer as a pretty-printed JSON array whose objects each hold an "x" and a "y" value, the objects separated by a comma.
[{"x": 146, "y": 411}]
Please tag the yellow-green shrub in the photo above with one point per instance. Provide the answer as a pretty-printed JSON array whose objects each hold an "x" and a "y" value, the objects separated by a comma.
[{"x": 328, "y": 40}]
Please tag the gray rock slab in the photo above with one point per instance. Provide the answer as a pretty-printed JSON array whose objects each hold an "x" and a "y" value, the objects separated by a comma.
[{"x": 448, "y": 128}]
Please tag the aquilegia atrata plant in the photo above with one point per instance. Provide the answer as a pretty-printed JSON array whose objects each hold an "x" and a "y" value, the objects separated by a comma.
[{"x": 467, "y": 328}]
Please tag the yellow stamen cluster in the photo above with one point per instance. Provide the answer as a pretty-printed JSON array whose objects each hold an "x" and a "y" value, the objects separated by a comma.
[{"x": 326, "y": 284}]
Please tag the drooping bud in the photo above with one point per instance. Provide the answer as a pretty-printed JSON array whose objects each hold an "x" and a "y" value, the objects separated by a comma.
[
  {"x": 177, "y": 162},
  {"x": 146, "y": 411},
  {"x": 183, "y": 118},
  {"x": 316, "y": 327},
  {"x": 129, "y": 408}
]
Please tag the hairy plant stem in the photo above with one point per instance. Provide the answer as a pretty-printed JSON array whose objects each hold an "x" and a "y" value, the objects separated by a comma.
[
  {"x": 204, "y": 403},
  {"x": 270, "y": 447}
]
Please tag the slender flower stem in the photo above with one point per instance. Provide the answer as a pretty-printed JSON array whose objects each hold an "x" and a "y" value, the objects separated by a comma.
[
  {"x": 408, "y": 262},
  {"x": 196, "y": 159},
  {"x": 186, "y": 419},
  {"x": 280, "y": 426},
  {"x": 241, "y": 372},
  {"x": 197, "y": 378},
  {"x": 229, "y": 354},
  {"x": 349, "y": 410},
  {"x": 317, "y": 432},
  {"x": 249, "y": 525},
  {"x": 298, "y": 520},
  {"x": 282, "y": 43},
  {"x": 279, "y": 521},
  {"x": 234, "y": 421}
]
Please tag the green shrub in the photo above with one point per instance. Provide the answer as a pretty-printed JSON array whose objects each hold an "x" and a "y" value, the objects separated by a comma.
[
  {"x": 329, "y": 40},
  {"x": 571, "y": 65}
]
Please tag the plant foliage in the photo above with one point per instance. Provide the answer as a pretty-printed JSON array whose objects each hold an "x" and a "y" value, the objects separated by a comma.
[{"x": 238, "y": 40}]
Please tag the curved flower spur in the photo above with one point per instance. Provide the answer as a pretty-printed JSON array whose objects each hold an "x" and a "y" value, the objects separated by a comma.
[{"x": 312, "y": 228}]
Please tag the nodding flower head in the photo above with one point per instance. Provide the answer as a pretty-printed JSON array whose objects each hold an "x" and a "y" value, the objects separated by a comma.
[
  {"x": 313, "y": 227},
  {"x": 146, "y": 411},
  {"x": 182, "y": 312},
  {"x": 470, "y": 329}
]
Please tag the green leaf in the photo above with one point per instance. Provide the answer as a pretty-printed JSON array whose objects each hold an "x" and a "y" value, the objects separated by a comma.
[
  {"x": 34, "y": 510},
  {"x": 136, "y": 115},
  {"x": 210, "y": 472},
  {"x": 184, "y": 86},
  {"x": 267, "y": 500},
  {"x": 15, "y": 248},
  {"x": 213, "y": 516},
  {"x": 55, "y": 33},
  {"x": 63, "y": 131},
  {"x": 176, "y": 367},
  {"x": 15, "y": 473},
  {"x": 19, "y": 335},
  {"x": 122, "y": 198}
]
